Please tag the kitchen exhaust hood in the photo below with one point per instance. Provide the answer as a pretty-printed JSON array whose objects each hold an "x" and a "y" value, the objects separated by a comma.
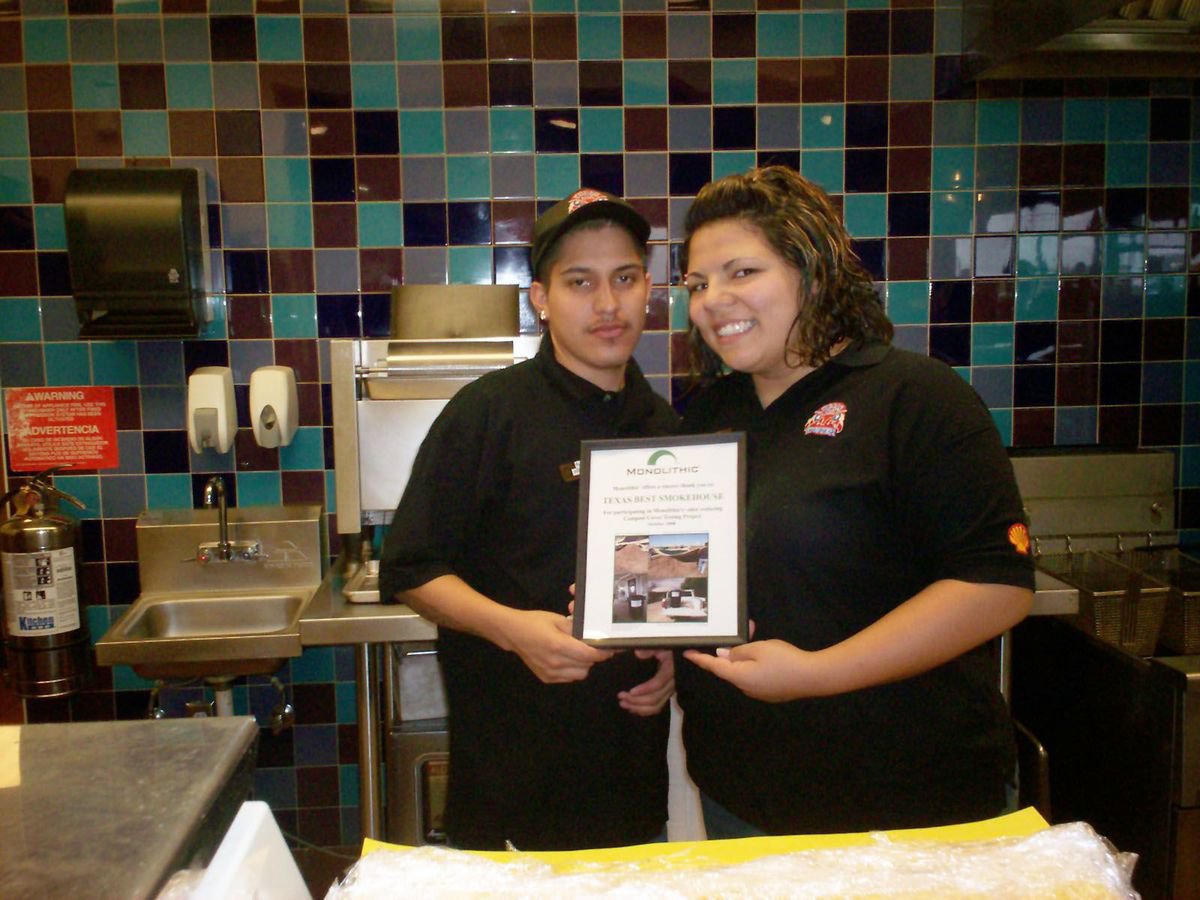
[{"x": 1081, "y": 39}]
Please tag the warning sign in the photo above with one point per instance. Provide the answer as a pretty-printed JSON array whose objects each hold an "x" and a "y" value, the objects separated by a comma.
[{"x": 59, "y": 426}]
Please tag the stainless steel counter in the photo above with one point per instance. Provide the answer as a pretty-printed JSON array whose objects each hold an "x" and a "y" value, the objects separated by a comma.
[{"x": 112, "y": 809}]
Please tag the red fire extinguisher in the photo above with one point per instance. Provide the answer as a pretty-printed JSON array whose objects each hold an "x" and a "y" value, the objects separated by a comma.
[{"x": 45, "y": 634}]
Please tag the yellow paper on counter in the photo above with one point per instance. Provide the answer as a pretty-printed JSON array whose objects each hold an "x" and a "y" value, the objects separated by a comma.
[{"x": 695, "y": 854}]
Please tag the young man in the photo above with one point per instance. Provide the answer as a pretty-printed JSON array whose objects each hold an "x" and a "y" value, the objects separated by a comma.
[{"x": 553, "y": 744}]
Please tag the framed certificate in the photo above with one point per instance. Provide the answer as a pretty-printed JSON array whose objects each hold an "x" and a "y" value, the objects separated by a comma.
[{"x": 661, "y": 534}]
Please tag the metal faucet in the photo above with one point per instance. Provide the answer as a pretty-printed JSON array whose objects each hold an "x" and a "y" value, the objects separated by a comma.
[{"x": 216, "y": 486}]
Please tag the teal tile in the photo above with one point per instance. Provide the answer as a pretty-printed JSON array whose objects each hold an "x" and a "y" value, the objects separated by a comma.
[
  {"x": 645, "y": 82},
  {"x": 289, "y": 225},
  {"x": 20, "y": 319},
  {"x": 380, "y": 225},
  {"x": 345, "y": 700},
  {"x": 288, "y": 179},
  {"x": 45, "y": 40},
  {"x": 586, "y": 6},
  {"x": 1189, "y": 467},
  {"x": 115, "y": 362},
  {"x": 279, "y": 38},
  {"x": 908, "y": 302},
  {"x": 217, "y": 327},
  {"x": 557, "y": 175},
  {"x": 374, "y": 85},
  {"x": 468, "y": 177},
  {"x": 471, "y": 265},
  {"x": 992, "y": 344},
  {"x": 1083, "y": 121},
  {"x": 1166, "y": 296},
  {"x": 865, "y": 215},
  {"x": 331, "y": 496},
  {"x": 735, "y": 81},
  {"x": 418, "y": 38},
  {"x": 97, "y": 618},
  {"x": 145, "y": 133},
  {"x": 85, "y": 489},
  {"x": 422, "y": 131},
  {"x": 1037, "y": 254},
  {"x": 599, "y": 37},
  {"x": 1128, "y": 119},
  {"x": 314, "y": 665},
  {"x": 512, "y": 129},
  {"x": 1003, "y": 420},
  {"x": 67, "y": 364},
  {"x": 16, "y": 185},
  {"x": 868, "y": 4},
  {"x": 125, "y": 679},
  {"x": 1126, "y": 165},
  {"x": 679, "y": 308},
  {"x": 14, "y": 134},
  {"x": 189, "y": 86},
  {"x": 1124, "y": 253},
  {"x": 294, "y": 316},
  {"x": 174, "y": 491},
  {"x": 137, "y": 7},
  {"x": 306, "y": 451},
  {"x": 349, "y": 792},
  {"x": 823, "y": 125},
  {"x": 601, "y": 129},
  {"x": 953, "y": 168},
  {"x": 824, "y": 167},
  {"x": 778, "y": 34},
  {"x": 999, "y": 121},
  {"x": 259, "y": 488},
  {"x": 1191, "y": 382},
  {"x": 1037, "y": 300},
  {"x": 823, "y": 33},
  {"x": 95, "y": 86},
  {"x": 553, "y": 6},
  {"x": 952, "y": 212},
  {"x": 50, "y": 226},
  {"x": 732, "y": 162}
]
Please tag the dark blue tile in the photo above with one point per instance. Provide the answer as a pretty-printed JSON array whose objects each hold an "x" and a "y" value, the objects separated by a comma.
[
  {"x": 912, "y": 31},
  {"x": 246, "y": 271},
  {"x": 950, "y": 301},
  {"x": 337, "y": 315},
  {"x": 1120, "y": 341},
  {"x": 947, "y": 77},
  {"x": 215, "y": 239},
  {"x": 866, "y": 171},
  {"x": 1121, "y": 298},
  {"x": 866, "y": 124},
  {"x": 92, "y": 533},
  {"x": 908, "y": 215},
  {"x": 867, "y": 32},
  {"x": 424, "y": 224},
  {"x": 16, "y": 228},
  {"x": 166, "y": 451},
  {"x": 470, "y": 223},
  {"x": 689, "y": 172},
  {"x": 376, "y": 315},
  {"x": 1162, "y": 423},
  {"x": 556, "y": 130},
  {"x": 1125, "y": 208},
  {"x": 21, "y": 365},
  {"x": 1033, "y": 386},
  {"x": 603, "y": 171},
  {"x": 512, "y": 265},
  {"x": 377, "y": 133},
  {"x": 1034, "y": 342},
  {"x": 1039, "y": 210},
  {"x": 789, "y": 158},
  {"x": 1041, "y": 120},
  {"x": 951, "y": 344},
  {"x": 1162, "y": 382},
  {"x": 464, "y": 37},
  {"x": 332, "y": 179},
  {"x": 510, "y": 83},
  {"x": 1168, "y": 163},
  {"x": 232, "y": 38},
  {"x": 54, "y": 274},
  {"x": 201, "y": 479},
  {"x": 1169, "y": 118},
  {"x": 122, "y": 581},
  {"x": 872, "y": 255},
  {"x": 1120, "y": 383},
  {"x": 204, "y": 353},
  {"x": 734, "y": 127}
]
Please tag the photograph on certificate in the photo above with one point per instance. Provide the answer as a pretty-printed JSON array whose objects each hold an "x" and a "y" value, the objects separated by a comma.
[{"x": 660, "y": 542}]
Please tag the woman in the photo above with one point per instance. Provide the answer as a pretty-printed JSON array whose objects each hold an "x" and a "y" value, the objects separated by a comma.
[{"x": 885, "y": 541}]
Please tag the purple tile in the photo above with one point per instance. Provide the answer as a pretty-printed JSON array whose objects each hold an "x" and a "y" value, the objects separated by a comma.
[
  {"x": 1033, "y": 386},
  {"x": 1125, "y": 208},
  {"x": 1169, "y": 118},
  {"x": 866, "y": 125},
  {"x": 908, "y": 215},
  {"x": 866, "y": 171},
  {"x": 556, "y": 130},
  {"x": 337, "y": 316},
  {"x": 1120, "y": 341},
  {"x": 463, "y": 37},
  {"x": 232, "y": 38},
  {"x": 246, "y": 271},
  {"x": 734, "y": 127},
  {"x": 1120, "y": 383},
  {"x": 1034, "y": 342},
  {"x": 470, "y": 223},
  {"x": 604, "y": 171},
  {"x": 951, "y": 344},
  {"x": 912, "y": 31},
  {"x": 377, "y": 133},
  {"x": 1038, "y": 210},
  {"x": 601, "y": 83},
  {"x": 16, "y": 228},
  {"x": 332, "y": 179},
  {"x": 867, "y": 32},
  {"x": 950, "y": 301},
  {"x": 688, "y": 172}
]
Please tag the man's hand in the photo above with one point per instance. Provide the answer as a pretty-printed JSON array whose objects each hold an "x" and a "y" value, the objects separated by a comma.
[
  {"x": 765, "y": 670},
  {"x": 649, "y": 697},
  {"x": 543, "y": 641}
]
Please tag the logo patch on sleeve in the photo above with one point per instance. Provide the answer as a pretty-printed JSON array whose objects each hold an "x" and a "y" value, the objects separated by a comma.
[
  {"x": 828, "y": 421},
  {"x": 1018, "y": 536}
]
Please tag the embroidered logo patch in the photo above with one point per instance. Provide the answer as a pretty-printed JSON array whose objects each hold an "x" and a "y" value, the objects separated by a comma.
[
  {"x": 1018, "y": 536},
  {"x": 583, "y": 198},
  {"x": 827, "y": 421}
]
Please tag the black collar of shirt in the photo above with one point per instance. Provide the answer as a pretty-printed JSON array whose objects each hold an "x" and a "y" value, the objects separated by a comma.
[{"x": 631, "y": 404}]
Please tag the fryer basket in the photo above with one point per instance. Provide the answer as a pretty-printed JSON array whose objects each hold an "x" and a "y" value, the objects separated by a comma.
[{"x": 1180, "y": 571}]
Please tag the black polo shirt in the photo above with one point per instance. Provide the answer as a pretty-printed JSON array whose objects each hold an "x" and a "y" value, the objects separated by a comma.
[
  {"x": 492, "y": 500},
  {"x": 872, "y": 477}
]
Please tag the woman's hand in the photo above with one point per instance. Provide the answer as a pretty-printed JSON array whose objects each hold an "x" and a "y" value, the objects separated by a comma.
[
  {"x": 773, "y": 671},
  {"x": 649, "y": 697}
]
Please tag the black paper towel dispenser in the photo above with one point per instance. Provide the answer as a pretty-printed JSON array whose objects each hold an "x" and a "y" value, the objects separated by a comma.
[{"x": 137, "y": 244}]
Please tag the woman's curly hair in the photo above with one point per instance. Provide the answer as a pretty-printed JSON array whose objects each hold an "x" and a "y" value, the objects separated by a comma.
[{"x": 798, "y": 221}]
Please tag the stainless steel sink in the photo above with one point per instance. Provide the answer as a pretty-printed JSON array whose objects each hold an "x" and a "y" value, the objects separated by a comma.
[{"x": 205, "y": 635}]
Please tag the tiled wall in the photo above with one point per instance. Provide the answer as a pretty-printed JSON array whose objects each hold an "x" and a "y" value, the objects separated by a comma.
[{"x": 1041, "y": 236}]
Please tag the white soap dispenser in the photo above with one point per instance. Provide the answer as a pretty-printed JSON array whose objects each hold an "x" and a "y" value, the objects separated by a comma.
[
  {"x": 274, "y": 411},
  {"x": 211, "y": 410}
]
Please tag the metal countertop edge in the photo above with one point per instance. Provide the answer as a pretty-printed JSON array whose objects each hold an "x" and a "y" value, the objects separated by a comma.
[{"x": 330, "y": 619}]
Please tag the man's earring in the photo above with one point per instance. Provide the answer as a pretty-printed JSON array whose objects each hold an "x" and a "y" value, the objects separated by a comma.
[{"x": 542, "y": 315}]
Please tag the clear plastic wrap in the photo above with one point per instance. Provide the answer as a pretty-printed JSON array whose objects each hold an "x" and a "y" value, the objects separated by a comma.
[{"x": 1063, "y": 861}]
